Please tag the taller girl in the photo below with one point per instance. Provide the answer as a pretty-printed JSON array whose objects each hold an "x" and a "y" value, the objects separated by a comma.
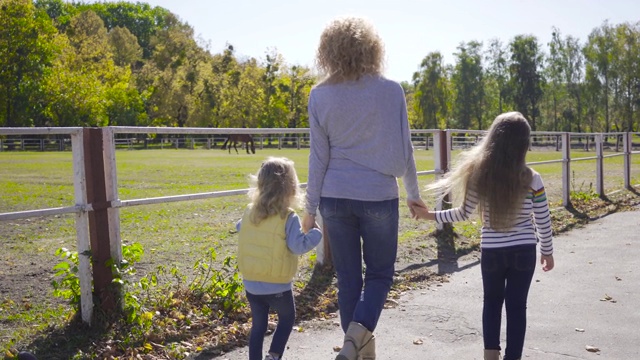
[{"x": 511, "y": 199}]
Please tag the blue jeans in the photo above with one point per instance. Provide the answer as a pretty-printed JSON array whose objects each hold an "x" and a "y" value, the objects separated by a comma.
[
  {"x": 506, "y": 277},
  {"x": 376, "y": 222},
  {"x": 285, "y": 307}
]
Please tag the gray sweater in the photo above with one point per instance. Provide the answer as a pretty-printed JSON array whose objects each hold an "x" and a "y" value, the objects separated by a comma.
[{"x": 360, "y": 142}]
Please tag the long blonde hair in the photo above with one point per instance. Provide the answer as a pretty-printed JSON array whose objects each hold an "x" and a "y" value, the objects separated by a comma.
[
  {"x": 495, "y": 169},
  {"x": 349, "y": 48},
  {"x": 274, "y": 189}
]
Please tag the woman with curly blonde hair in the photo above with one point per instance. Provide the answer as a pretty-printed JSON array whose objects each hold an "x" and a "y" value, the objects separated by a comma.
[{"x": 360, "y": 145}]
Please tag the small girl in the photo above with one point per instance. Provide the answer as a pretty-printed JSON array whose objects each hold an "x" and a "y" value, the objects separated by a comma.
[
  {"x": 270, "y": 239},
  {"x": 511, "y": 200}
]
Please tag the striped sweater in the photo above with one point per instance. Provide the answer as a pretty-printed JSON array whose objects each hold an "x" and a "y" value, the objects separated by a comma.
[{"x": 532, "y": 225}]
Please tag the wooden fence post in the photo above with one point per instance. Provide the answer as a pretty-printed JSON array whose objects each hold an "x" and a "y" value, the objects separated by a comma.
[
  {"x": 82, "y": 227},
  {"x": 627, "y": 144},
  {"x": 99, "y": 232},
  {"x": 599, "y": 165},
  {"x": 111, "y": 191},
  {"x": 441, "y": 155},
  {"x": 566, "y": 169}
]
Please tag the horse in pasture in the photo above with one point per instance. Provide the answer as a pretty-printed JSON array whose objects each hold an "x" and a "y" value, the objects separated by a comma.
[{"x": 234, "y": 139}]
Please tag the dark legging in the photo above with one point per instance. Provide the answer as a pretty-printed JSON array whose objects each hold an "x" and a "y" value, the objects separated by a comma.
[
  {"x": 284, "y": 307},
  {"x": 506, "y": 277}
]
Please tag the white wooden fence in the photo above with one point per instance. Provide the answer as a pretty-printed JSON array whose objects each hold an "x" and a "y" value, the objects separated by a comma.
[{"x": 442, "y": 142}]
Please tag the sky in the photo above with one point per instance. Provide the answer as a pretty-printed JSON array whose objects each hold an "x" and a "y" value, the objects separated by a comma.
[{"x": 410, "y": 29}]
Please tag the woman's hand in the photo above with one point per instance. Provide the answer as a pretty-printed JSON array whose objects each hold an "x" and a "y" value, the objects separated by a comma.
[
  {"x": 413, "y": 205},
  {"x": 308, "y": 222},
  {"x": 419, "y": 210},
  {"x": 547, "y": 262}
]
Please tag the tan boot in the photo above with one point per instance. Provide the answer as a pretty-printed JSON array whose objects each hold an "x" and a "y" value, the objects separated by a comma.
[
  {"x": 356, "y": 337},
  {"x": 368, "y": 351},
  {"x": 491, "y": 354}
]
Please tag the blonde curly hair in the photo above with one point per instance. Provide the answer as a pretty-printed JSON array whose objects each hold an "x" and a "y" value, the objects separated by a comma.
[
  {"x": 350, "y": 48},
  {"x": 274, "y": 189}
]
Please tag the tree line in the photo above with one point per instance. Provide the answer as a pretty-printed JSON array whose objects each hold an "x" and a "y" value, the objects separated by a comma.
[
  {"x": 130, "y": 64},
  {"x": 590, "y": 86}
]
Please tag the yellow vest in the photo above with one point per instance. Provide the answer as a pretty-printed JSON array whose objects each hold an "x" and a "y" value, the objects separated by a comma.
[{"x": 263, "y": 254}]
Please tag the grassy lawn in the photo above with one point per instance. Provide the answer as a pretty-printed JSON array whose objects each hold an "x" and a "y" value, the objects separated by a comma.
[{"x": 176, "y": 234}]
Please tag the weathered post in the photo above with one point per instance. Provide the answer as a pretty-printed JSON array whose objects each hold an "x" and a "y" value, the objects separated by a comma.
[
  {"x": 99, "y": 232},
  {"x": 566, "y": 169},
  {"x": 627, "y": 144},
  {"x": 82, "y": 226},
  {"x": 599, "y": 165},
  {"x": 442, "y": 153}
]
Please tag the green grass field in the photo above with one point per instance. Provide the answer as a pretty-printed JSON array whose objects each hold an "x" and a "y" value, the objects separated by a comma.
[{"x": 33, "y": 180}]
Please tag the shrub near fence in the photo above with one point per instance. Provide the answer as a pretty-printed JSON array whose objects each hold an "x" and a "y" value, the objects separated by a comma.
[{"x": 96, "y": 186}]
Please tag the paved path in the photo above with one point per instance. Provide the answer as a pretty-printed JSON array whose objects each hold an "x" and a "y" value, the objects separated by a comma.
[{"x": 593, "y": 263}]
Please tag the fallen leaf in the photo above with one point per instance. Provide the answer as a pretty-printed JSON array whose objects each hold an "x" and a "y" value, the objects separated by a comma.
[
  {"x": 590, "y": 348},
  {"x": 417, "y": 342},
  {"x": 391, "y": 304},
  {"x": 619, "y": 279},
  {"x": 606, "y": 298},
  {"x": 579, "y": 330},
  {"x": 337, "y": 348}
]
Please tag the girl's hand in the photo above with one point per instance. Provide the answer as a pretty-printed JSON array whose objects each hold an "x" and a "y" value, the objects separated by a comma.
[
  {"x": 308, "y": 222},
  {"x": 413, "y": 204},
  {"x": 423, "y": 213},
  {"x": 419, "y": 210},
  {"x": 547, "y": 262}
]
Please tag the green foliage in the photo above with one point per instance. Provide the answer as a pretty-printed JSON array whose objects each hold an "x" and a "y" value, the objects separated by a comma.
[
  {"x": 432, "y": 91},
  {"x": 468, "y": 82},
  {"x": 68, "y": 285},
  {"x": 224, "y": 285},
  {"x": 526, "y": 77},
  {"x": 131, "y": 64},
  {"x": 580, "y": 192},
  {"x": 27, "y": 49}
]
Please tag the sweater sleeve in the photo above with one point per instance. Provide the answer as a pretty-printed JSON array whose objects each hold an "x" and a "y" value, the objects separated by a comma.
[
  {"x": 462, "y": 212},
  {"x": 297, "y": 241},
  {"x": 318, "y": 159},
  {"x": 410, "y": 177},
  {"x": 542, "y": 216}
]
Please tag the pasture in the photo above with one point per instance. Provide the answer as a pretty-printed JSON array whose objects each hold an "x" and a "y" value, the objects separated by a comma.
[{"x": 180, "y": 233}]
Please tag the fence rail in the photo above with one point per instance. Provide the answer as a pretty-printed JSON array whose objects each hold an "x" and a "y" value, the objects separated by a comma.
[{"x": 94, "y": 167}]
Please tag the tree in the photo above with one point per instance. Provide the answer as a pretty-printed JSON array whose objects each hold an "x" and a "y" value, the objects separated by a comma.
[
  {"x": 431, "y": 94},
  {"x": 59, "y": 11},
  {"x": 139, "y": 18},
  {"x": 599, "y": 54},
  {"x": 124, "y": 46},
  {"x": 86, "y": 88},
  {"x": 526, "y": 79},
  {"x": 27, "y": 49},
  {"x": 174, "y": 75},
  {"x": 628, "y": 68},
  {"x": 554, "y": 70},
  {"x": 274, "y": 110},
  {"x": 295, "y": 86},
  {"x": 574, "y": 75},
  {"x": 467, "y": 79},
  {"x": 497, "y": 70}
]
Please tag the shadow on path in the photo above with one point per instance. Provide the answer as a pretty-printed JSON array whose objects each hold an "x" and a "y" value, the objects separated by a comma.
[{"x": 448, "y": 254}]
